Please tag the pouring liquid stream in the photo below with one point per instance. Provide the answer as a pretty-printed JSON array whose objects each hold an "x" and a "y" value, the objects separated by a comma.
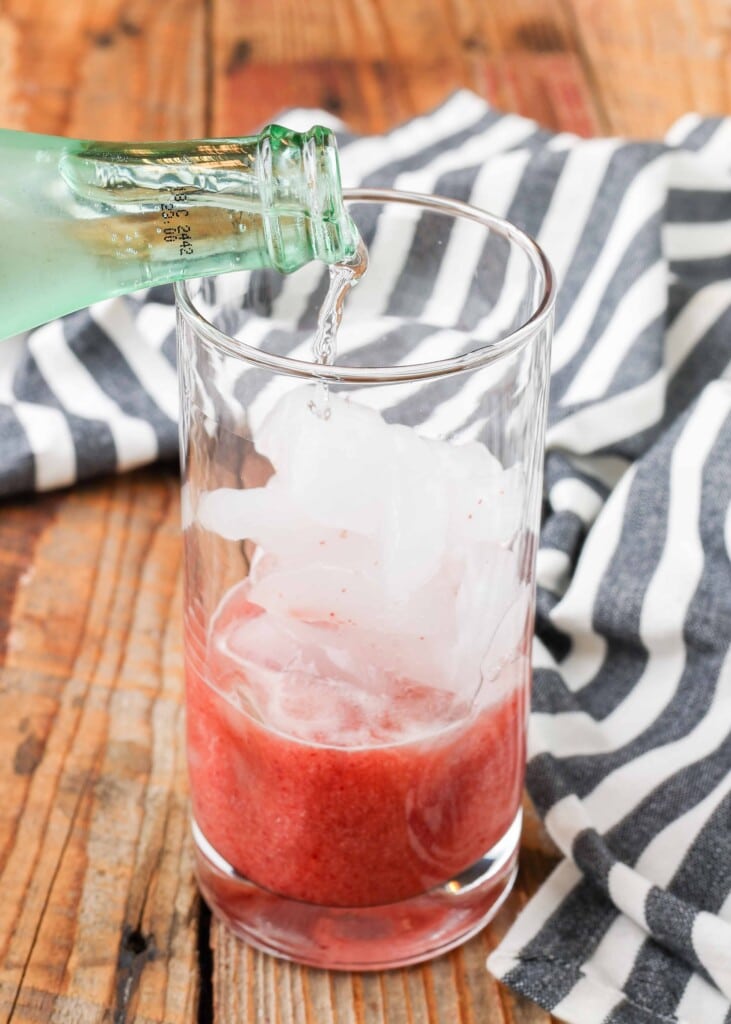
[{"x": 343, "y": 277}]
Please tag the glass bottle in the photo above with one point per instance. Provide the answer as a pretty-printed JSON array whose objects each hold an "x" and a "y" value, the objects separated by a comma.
[{"x": 83, "y": 221}]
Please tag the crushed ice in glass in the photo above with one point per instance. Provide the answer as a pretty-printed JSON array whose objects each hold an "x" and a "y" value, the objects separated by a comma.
[{"x": 385, "y": 598}]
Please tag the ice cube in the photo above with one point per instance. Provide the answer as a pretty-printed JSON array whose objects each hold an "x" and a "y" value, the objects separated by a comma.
[
  {"x": 509, "y": 504},
  {"x": 236, "y": 514},
  {"x": 486, "y": 511},
  {"x": 387, "y": 633},
  {"x": 492, "y": 607},
  {"x": 416, "y": 515},
  {"x": 323, "y": 683},
  {"x": 509, "y": 636},
  {"x": 486, "y": 501},
  {"x": 382, "y": 557},
  {"x": 336, "y": 469},
  {"x": 321, "y": 593},
  {"x": 470, "y": 460},
  {"x": 270, "y": 517}
]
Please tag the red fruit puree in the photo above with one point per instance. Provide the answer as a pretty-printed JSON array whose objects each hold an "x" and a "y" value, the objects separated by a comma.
[{"x": 349, "y": 826}]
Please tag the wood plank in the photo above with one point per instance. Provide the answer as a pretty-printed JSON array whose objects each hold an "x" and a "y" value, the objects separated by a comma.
[
  {"x": 375, "y": 63},
  {"x": 577, "y": 65},
  {"x": 99, "y": 914},
  {"x": 99, "y": 904},
  {"x": 655, "y": 60},
  {"x": 121, "y": 69}
]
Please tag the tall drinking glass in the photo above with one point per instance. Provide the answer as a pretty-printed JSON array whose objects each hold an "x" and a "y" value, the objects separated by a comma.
[{"x": 359, "y": 584}]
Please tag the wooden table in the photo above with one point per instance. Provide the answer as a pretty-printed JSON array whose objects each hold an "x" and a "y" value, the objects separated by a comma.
[{"x": 99, "y": 916}]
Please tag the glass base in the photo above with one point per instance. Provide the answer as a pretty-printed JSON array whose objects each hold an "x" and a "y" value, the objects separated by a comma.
[{"x": 360, "y": 938}]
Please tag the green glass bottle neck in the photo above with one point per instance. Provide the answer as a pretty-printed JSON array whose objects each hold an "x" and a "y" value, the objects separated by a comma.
[
  {"x": 85, "y": 221},
  {"x": 288, "y": 180}
]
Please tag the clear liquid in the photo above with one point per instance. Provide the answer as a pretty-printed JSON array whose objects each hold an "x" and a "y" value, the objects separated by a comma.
[{"x": 343, "y": 277}]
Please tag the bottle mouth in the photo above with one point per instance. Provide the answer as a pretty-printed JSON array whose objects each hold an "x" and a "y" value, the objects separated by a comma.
[
  {"x": 299, "y": 172},
  {"x": 484, "y": 354},
  {"x": 332, "y": 231}
]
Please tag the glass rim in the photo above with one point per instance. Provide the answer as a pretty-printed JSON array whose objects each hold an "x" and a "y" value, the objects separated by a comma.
[{"x": 490, "y": 353}]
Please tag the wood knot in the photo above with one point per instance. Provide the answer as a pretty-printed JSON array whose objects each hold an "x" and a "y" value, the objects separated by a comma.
[
  {"x": 135, "y": 950},
  {"x": 129, "y": 28},
  {"x": 135, "y": 942},
  {"x": 240, "y": 54},
  {"x": 539, "y": 36},
  {"x": 28, "y": 755},
  {"x": 107, "y": 37},
  {"x": 102, "y": 39},
  {"x": 331, "y": 102},
  {"x": 474, "y": 43}
]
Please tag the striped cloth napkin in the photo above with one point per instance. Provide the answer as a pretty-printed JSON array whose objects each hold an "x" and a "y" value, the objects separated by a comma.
[{"x": 630, "y": 752}]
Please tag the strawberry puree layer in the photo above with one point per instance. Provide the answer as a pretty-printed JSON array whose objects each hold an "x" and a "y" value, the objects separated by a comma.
[{"x": 349, "y": 825}]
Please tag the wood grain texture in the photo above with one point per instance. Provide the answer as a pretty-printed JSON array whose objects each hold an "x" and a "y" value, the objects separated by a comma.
[
  {"x": 623, "y": 66},
  {"x": 454, "y": 989},
  {"x": 117, "y": 69},
  {"x": 375, "y": 63},
  {"x": 654, "y": 60},
  {"x": 95, "y": 864},
  {"x": 98, "y": 920}
]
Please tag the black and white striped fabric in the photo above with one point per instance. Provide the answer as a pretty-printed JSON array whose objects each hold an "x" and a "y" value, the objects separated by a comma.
[{"x": 630, "y": 745}]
